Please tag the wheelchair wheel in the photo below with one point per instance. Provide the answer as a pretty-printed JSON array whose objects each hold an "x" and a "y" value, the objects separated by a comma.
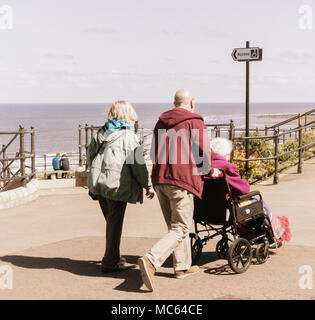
[
  {"x": 222, "y": 248},
  {"x": 196, "y": 248},
  {"x": 262, "y": 252},
  {"x": 240, "y": 255}
]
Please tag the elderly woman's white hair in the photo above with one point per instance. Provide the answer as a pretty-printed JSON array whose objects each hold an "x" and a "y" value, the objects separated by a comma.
[
  {"x": 122, "y": 110},
  {"x": 221, "y": 146}
]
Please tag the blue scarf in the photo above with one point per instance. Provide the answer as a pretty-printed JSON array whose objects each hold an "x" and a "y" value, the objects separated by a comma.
[{"x": 115, "y": 125}]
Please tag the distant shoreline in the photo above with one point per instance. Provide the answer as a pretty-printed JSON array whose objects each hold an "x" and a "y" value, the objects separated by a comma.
[{"x": 284, "y": 117}]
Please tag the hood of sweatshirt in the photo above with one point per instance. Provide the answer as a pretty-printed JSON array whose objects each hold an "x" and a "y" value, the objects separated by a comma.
[{"x": 175, "y": 116}]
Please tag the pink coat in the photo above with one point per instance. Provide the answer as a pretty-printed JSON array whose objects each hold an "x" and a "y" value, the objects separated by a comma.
[{"x": 237, "y": 185}]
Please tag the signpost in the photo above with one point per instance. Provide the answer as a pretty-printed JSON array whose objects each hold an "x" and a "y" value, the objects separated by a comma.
[{"x": 246, "y": 55}]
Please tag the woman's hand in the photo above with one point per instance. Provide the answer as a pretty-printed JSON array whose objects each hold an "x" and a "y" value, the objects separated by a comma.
[{"x": 150, "y": 193}]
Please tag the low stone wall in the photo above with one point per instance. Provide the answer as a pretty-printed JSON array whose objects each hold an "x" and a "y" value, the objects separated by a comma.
[
  {"x": 81, "y": 177},
  {"x": 19, "y": 196}
]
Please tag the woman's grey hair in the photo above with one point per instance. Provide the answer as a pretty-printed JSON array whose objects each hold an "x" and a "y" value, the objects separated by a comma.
[
  {"x": 221, "y": 146},
  {"x": 122, "y": 110}
]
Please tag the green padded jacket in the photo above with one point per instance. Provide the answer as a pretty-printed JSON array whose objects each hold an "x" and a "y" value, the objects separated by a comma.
[{"x": 117, "y": 169}]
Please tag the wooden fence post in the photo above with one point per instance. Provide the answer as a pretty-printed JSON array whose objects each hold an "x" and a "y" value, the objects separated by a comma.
[
  {"x": 231, "y": 130},
  {"x": 86, "y": 143},
  {"x": 300, "y": 151},
  {"x": 45, "y": 166},
  {"x": 80, "y": 146},
  {"x": 22, "y": 151},
  {"x": 6, "y": 173},
  {"x": 33, "y": 149},
  {"x": 305, "y": 121},
  {"x": 276, "y": 175},
  {"x": 231, "y": 137},
  {"x": 92, "y": 133},
  {"x": 217, "y": 132}
]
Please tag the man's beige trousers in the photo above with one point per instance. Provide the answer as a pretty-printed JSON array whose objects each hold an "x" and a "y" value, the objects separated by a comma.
[{"x": 177, "y": 205}]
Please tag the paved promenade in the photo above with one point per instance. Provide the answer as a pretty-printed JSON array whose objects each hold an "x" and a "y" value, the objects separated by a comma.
[{"x": 54, "y": 246}]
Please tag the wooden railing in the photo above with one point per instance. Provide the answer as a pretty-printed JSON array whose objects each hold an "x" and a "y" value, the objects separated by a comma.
[
  {"x": 220, "y": 129},
  {"x": 276, "y": 133},
  {"x": 275, "y": 138},
  {"x": 299, "y": 117},
  {"x": 7, "y": 158}
]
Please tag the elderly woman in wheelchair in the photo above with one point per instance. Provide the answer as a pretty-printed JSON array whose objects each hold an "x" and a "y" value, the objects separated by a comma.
[{"x": 242, "y": 219}]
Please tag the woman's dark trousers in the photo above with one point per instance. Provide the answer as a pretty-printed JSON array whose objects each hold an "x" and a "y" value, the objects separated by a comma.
[{"x": 113, "y": 212}]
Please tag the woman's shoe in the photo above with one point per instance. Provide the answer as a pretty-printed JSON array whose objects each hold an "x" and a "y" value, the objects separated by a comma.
[{"x": 117, "y": 268}]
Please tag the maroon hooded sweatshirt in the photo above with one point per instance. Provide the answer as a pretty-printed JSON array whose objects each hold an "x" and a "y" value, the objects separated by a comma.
[{"x": 180, "y": 150}]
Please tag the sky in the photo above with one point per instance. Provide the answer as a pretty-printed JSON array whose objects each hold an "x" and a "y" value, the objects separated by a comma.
[{"x": 144, "y": 50}]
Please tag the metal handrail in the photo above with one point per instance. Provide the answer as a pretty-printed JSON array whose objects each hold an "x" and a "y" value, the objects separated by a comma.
[
  {"x": 230, "y": 129},
  {"x": 298, "y": 116},
  {"x": 278, "y": 134},
  {"x": 279, "y": 155}
]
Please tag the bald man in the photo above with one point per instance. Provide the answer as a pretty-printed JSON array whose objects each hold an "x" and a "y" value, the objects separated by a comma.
[{"x": 180, "y": 153}]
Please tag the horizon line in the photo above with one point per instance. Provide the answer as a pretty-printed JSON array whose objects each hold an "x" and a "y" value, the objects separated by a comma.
[{"x": 161, "y": 102}]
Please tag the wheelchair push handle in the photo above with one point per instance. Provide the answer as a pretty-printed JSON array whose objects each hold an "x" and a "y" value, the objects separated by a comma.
[
  {"x": 249, "y": 195},
  {"x": 208, "y": 176}
]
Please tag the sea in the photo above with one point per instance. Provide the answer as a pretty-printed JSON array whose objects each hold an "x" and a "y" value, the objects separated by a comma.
[{"x": 56, "y": 124}]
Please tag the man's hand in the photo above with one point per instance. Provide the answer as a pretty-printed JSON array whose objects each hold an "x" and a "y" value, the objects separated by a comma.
[
  {"x": 216, "y": 173},
  {"x": 150, "y": 193}
]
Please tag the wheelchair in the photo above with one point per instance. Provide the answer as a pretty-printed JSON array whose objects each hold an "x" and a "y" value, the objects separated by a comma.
[{"x": 244, "y": 228}]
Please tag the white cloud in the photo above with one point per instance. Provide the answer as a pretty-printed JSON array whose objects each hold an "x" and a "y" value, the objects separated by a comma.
[
  {"x": 100, "y": 30},
  {"x": 291, "y": 57},
  {"x": 54, "y": 56},
  {"x": 214, "y": 33}
]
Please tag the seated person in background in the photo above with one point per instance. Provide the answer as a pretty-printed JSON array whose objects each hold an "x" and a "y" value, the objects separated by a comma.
[
  {"x": 221, "y": 150},
  {"x": 56, "y": 162},
  {"x": 64, "y": 165}
]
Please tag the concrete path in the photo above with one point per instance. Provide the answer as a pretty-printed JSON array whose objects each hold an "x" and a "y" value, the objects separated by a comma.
[{"x": 54, "y": 246}]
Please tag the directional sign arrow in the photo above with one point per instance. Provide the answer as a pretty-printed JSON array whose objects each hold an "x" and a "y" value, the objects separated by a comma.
[{"x": 247, "y": 54}]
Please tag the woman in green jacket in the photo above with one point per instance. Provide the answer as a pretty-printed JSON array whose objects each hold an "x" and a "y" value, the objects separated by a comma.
[{"x": 117, "y": 176}]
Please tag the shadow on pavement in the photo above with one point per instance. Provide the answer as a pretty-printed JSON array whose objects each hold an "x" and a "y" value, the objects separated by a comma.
[
  {"x": 224, "y": 269},
  {"x": 207, "y": 257},
  {"x": 132, "y": 277}
]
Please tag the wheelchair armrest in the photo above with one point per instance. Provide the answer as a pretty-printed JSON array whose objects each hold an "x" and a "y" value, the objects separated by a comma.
[{"x": 249, "y": 195}]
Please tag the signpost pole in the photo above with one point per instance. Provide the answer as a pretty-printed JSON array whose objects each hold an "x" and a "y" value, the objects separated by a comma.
[
  {"x": 247, "y": 115},
  {"x": 247, "y": 55}
]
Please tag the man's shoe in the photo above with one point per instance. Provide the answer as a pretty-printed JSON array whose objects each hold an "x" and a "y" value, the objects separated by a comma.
[
  {"x": 117, "y": 268},
  {"x": 147, "y": 272},
  {"x": 186, "y": 273}
]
